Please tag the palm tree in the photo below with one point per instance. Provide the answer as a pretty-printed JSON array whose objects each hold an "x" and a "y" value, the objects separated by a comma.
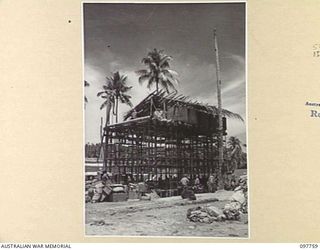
[
  {"x": 113, "y": 91},
  {"x": 109, "y": 96},
  {"x": 158, "y": 71},
  {"x": 234, "y": 142},
  {"x": 235, "y": 151}
]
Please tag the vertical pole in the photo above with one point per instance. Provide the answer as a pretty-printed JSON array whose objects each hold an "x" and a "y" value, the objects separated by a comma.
[
  {"x": 117, "y": 109},
  {"x": 133, "y": 153},
  {"x": 220, "y": 129},
  {"x": 151, "y": 103},
  {"x": 102, "y": 149},
  {"x": 154, "y": 152},
  {"x": 106, "y": 133}
]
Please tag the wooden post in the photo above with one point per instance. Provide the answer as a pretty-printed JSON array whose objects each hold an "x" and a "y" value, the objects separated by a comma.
[
  {"x": 132, "y": 153},
  {"x": 220, "y": 129},
  {"x": 103, "y": 147}
]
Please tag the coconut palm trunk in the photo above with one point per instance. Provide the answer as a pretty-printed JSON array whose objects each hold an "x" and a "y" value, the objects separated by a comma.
[
  {"x": 157, "y": 85},
  {"x": 117, "y": 102},
  {"x": 108, "y": 109}
]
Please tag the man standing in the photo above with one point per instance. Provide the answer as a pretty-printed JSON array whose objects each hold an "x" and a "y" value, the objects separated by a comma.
[{"x": 212, "y": 187}]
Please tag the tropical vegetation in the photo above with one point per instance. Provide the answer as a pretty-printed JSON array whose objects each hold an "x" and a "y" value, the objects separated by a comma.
[
  {"x": 115, "y": 90},
  {"x": 158, "y": 71},
  {"x": 235, "y": 153}
]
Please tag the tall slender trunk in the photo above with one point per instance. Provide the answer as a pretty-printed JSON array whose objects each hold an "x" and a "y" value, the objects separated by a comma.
[
  {"x": 157, "y": 85},
  {"x": 220, "y": 129},
  {"x": 107, "y": 115},
  {"x": 108, "y": 110},
  {"x": 117, "y": 109}
]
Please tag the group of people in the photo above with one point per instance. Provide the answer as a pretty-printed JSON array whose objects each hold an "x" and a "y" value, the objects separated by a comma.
[
  {"x": 200, "y": 183},
  {"x": 208, "y": 184},
  {"x": 166, "y": 182}
]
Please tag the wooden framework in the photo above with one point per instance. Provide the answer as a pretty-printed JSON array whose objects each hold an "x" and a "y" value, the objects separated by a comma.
[
  {"x": 146, "y": 147},
  {"x": 183, "y": 140}
]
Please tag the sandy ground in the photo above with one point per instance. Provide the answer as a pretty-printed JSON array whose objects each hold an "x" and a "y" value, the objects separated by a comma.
[{"x": 161, "y": 217}]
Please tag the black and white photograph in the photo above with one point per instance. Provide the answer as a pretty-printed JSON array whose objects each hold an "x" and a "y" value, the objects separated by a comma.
[{"x": 165, "y": 110}]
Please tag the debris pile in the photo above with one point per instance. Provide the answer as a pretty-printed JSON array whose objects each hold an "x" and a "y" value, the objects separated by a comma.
[
  {"x": 231, "y": 211},
  {"x": 138, "y": 191},
  {"x": 99, "y": 191},
  {"x": 205, "y": 214},
  {"x": 153, "y": 195},
  {"x": 105, "y": 190},
  {"x": 210, "y": 214},
  {"x": 241, "y": 194},
  {"x": 133, "y": 192}
]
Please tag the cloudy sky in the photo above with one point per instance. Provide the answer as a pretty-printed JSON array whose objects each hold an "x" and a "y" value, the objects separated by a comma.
[{"x": 118, "y": 36}]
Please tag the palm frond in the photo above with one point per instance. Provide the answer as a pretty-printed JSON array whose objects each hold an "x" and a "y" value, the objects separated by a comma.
[
  {"x": 166, "y": 84},
  {"x": 146, "y": 61},
  {"x": 123, "y": 79},
  {"x": 170, "y": 72},
  {"x": 100, "y": 93},
  {"x": 164, "y": 62},
  {"x": 125, "y": 99},
  {"x": 142, "y": 72},
  {"x": 106, "y": 87},
  {"x": 151, "y": 81},
  {"x": 143, "y": 78},
  {"x": 125, "y": 89},
  {"x": 103, "y": 105}
]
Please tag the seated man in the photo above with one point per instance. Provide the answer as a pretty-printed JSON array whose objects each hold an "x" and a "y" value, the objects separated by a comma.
[{"x": 184, "y": 181}]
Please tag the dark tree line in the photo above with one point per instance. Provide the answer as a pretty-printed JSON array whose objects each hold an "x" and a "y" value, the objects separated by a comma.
[{"x": 92, "y": 150}]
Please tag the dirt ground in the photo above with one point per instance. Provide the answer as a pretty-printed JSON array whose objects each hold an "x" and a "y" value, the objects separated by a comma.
[{"x": 161, "y": 217}]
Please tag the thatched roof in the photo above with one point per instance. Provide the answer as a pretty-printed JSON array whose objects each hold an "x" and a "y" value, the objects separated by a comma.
[{"x": 175, "y": 99}]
